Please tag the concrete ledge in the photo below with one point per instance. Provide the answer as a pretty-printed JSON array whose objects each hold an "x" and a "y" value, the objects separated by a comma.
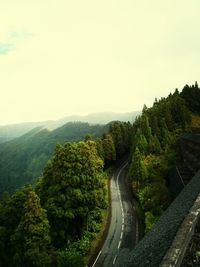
[
  {"x": 176, "y": 252},
  {"x": 151, "y": 250}
]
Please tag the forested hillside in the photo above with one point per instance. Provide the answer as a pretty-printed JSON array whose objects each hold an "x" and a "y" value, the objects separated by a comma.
[
  {"x": 155, "y": 148},
  {"x": 12, "y": 131},
  {"x": 54, "y": 223},
  {"x": 23, "y": 159}
]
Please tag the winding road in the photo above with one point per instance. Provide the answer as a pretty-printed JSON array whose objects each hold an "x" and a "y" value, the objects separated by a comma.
[{"x": 123, "y": 232}]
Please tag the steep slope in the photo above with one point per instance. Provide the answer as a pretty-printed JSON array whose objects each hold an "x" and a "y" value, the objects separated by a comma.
[
  {"x": 10, "y": 132},
  {"x": 23, "y": 159}
]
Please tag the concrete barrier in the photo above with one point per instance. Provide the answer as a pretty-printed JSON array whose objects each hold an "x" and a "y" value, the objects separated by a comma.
[{"x": 175, "y": 254}]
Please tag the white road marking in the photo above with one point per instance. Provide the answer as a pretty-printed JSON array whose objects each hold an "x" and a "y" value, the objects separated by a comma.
[
  {"x": 97, "y": 258},
  {"x": 119, "y": 244},
  {"x": 121, "y": 235},
  {"x": 122, "y": 210},
  {"x": 114, "y": 259},
  {"x": 115, "y": 185}
]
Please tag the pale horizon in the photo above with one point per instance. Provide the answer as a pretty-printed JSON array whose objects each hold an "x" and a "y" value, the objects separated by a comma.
[
  {"x": 59, "y": 58},
  {"x": 72, "y": 115}
]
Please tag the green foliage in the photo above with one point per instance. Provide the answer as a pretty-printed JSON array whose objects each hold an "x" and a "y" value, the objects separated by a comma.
[
  {"x": 73, "y": 193},
  {"x": 122, "y": 134},
  {"x": 191, "y": 95},
  {"x": 154, "y": 151},
  {"x": 109, "y": 151},
  {"x": 154, "y": 145},
  {"x": 23, "y": 225},
  {"x": 137, "y": 171},
  {"x": 11, "y": 211},
  {"x": 94, "y": 220},
  {"x": 140, "y": 141},
  {"x": 23, "y": 159},
  {"x": 116, "y": 132},
  {"x": 72, "y": 189},
  {"x": 99, "y": 148},
  {"x": 73, "y": 185},
  {"x": 31, "y": 238},
  {"x": 68, "y": 258},
  {"x": 150, "y": 219}
]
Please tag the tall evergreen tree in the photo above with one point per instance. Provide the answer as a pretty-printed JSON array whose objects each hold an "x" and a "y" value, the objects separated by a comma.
[
  {"x": 72, "y": 186},
  {"x": 140, "y": 141},
  {"x": 11, "y": 212},
  {"x": 31, "y": 238},
  {"x": 109, "y": 152},
  {"x": 117, "y": 135},
  {"x": 191, "y": 95},
  {"x": 145, "y": 127},
  {"x": 154, "y": 145},
  {"x": 137, "y": 171}
]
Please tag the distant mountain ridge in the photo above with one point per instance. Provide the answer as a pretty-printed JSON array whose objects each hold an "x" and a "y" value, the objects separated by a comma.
[
  {"x": 22, "y": 159},
  {"x": 9, "y": 132},
  {"x": 101, "y": 118}
]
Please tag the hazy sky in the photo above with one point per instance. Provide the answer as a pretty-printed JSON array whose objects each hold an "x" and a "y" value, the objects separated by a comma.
[{"x": 64, "y": 57}]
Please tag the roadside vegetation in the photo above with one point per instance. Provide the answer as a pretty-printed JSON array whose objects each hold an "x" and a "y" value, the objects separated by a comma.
[
  {"x": 54, "y": 222},
  {"x": 23, "y": 159},
  {"x": 155, "y": 148}
]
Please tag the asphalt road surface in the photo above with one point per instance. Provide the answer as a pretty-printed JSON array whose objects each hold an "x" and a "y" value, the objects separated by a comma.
[{"x": 123, "y": 233}]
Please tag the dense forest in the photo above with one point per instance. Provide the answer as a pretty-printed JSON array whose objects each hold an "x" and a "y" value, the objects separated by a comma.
[
  {"x": 12, "y": 131},
  {"x": 53, "y": 222},
  {"x": 155, "y": 152},
  {"x": 23, "y": 159}
]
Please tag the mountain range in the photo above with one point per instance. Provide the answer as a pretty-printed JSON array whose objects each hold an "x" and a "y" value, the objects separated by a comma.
[
  {"x": 9, "y": 132},
  {"x": 23, "y": 159}
]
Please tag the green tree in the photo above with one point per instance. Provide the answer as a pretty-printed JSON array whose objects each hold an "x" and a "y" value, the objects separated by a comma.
[
  {"x": 109, "y": 152},
  {"x": 145, "y": 127},
  {"x": 11, "y": 211},
  {"x": 150, "y": 219},
  {"x": 117, "y": 135},
  {"x": 99, "y": 148},
  {"x": 154, "y": 145},
  {"x": 69, "y": 258},
  {"x": 31, "y": 238},
  {"x": 72, "y": 185},
  {"x": 191, "y": 95},
  {"x": 140, "y": 141},
  {"x": 88, "y": 137},
  {"x": 137, "y": 171}
]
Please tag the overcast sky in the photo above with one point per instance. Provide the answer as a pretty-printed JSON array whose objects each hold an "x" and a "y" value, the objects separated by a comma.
[{"x": 64, "y": 57}]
